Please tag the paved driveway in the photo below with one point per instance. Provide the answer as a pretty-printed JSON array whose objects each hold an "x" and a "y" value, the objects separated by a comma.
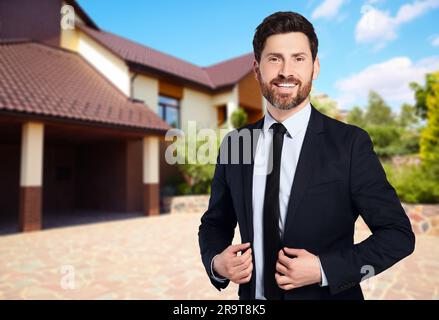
[{"x": 158, "y": 258}]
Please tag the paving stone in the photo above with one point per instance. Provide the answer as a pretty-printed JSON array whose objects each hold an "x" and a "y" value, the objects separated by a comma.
[{"x": 158, "y": 258}]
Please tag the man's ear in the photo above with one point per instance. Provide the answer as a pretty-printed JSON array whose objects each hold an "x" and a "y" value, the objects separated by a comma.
[
  {"x": 316, "y": 71},
  {"x": 255, "y": 69}
]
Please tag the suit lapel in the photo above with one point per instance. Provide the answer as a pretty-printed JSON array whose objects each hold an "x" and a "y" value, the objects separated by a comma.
[
  {"x": 247, "y": 183},
  {"x": 247, "y": 178},
  {"x": 305, "y": 166},
  {"x": 303, "y": 172}
]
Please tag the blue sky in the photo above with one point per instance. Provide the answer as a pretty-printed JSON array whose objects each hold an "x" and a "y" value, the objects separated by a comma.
[{"x": 364, "y": 44}]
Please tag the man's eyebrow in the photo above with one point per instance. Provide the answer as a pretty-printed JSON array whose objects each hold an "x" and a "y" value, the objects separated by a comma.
[{"x": 280, "y": 55}]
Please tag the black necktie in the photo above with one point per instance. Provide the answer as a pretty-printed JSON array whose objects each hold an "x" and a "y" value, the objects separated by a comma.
[{"x": 272, "y": 241}]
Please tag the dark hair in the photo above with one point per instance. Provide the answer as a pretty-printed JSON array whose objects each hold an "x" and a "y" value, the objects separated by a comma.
[{"x": 284, "y": 22}]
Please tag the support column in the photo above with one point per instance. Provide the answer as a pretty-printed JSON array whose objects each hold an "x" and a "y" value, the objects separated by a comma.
[
  {"x": 31, "y": 176},
  {"x": 151, "y": 168}
]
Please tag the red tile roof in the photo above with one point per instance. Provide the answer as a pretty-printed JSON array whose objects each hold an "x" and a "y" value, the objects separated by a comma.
[
  {"x": 223, "y": 74},
  {"x": 231, "y": 71},
  {"x": 41, "y": 80}
]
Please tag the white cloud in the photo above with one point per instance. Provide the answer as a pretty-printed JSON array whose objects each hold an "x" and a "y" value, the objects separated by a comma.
[
  {"x": 413, "y": 10},
  {"x": 375, "y": 25},
  {"x": 390, "y": 79},
  {"x": 435, "y": 41},
  {"x": 379, "y": 27},
  {"x": 328, "y": 9}
]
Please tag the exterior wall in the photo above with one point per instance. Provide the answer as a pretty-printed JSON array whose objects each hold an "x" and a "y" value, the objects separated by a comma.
[
  {"x": 249, "y": 92},
  {"x": 147, "y": 89},
  {"x": 168, "y": 173},
  {"x": 70, "y": 39},
  {"x": 250, "y": 98},
  {"x": 60, "y": 177},
  {"x": 100, "y": 177},
  {"x": 133, "y": 168},
  {"x": 232, "y": 104},
  {"x": 197, "y": 106},
  {"x": 105, "y": 176},
  {"x": 111, "y": 66},
  {"x": 10, "y": 180},
  {"x": 109, "y": 176},
  {"x": 223, "y": 98}
]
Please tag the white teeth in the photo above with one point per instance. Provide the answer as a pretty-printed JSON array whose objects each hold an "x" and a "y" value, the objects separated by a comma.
[{"x": 286, "y": 85}]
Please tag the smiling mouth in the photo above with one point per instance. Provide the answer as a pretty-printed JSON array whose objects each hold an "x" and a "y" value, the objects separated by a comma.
[{"x": 285, "y": 87}]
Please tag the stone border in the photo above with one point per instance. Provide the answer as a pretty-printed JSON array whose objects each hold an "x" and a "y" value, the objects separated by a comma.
[
  {"x": 424, "y": 217},
  {"x": 186, "y": 204}
]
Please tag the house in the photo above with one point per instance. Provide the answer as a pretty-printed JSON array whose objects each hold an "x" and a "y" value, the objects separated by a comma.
[{"x": 83, "y": 112}]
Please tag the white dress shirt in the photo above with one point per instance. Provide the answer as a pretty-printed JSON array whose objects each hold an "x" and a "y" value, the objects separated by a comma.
[{"x": 296, "y": 126}]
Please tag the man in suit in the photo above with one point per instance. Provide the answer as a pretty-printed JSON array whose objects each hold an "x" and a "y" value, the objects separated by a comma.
[{"x": 296, "y": 200}]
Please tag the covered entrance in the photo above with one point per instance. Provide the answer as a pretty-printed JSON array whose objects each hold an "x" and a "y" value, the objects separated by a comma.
[{"x": 57, "y": 174}]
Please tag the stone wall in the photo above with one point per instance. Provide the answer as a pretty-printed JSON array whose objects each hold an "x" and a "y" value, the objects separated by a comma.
[
  {"x": 186, "y": 204},
  {"x": 424, "y": 217}
]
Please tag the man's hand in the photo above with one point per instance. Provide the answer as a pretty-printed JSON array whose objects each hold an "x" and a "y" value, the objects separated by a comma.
[
  {"x": 297, "y": 272},
  {"x": 237, "y": 269}
]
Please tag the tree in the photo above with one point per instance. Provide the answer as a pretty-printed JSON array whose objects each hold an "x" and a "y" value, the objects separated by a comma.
[
  {"x": 325, "y": 105},
  {"x": 377, "y": 111},
  {"x": 430, "y": 135},
  {"x": 356, "y": 117},
  {"x": 407, "y": 116},
  {"x": 390, "y": 137},
  {"x": 420, "y": 95}
]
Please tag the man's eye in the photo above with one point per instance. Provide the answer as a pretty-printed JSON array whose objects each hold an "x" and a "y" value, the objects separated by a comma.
[
  {"x": 300, "y": 59},
  {"x": 273, "y": 59}
]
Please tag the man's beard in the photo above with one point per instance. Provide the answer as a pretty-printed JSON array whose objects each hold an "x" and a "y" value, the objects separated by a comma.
[{"x": 284, "y": 101}]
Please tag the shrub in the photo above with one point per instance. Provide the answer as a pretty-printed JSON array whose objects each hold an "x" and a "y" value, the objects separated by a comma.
[
  {"x": 413, "y": 183},
  {"x": 239, "y": 118}
]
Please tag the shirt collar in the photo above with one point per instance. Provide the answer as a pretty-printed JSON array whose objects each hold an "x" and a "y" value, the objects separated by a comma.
[{"x": 294, "y": 124}]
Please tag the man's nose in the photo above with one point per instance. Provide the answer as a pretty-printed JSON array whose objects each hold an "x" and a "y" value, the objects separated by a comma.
[{"x": 287, "y": 69}]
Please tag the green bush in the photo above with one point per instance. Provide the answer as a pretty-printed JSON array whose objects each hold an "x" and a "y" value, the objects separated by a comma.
[
  {"x": 239, "y": 118},
  {"x": 413, "y": 183},
  {"x": 390, "y": 141},
  {"x": 198, "y": 176}
]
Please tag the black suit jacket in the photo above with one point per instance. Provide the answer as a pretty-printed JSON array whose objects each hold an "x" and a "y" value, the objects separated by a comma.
[{"x": 338, "y": 177}]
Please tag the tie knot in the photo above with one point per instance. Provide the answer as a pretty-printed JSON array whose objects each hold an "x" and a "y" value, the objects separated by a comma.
[{"x": 278, "y": 128}]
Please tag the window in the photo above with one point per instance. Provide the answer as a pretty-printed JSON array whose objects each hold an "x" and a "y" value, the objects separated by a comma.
[{"x": 169, "y": 110}]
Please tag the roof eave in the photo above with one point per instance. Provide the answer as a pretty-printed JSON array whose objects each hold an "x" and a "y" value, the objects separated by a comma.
[
  {"x": 84, "y": 16},
  {"x": 43, "y": 117}
]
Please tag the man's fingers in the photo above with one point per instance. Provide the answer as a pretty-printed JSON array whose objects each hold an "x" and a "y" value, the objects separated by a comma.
[
  {"x": 244, "y": 265},
  {"x": 283, "y": 259},
  {"x": 239, "y": 260},
  {"x": 288, "y": 287},
  {"x": 281, "y": 268},
  {"x": 282, "y": 280},
  {"x": 235, "y": 248},
  {"x": 245, "y": 280},
  {"x": 243, "y": 275},
  {"x": 293, "y": 251}
]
